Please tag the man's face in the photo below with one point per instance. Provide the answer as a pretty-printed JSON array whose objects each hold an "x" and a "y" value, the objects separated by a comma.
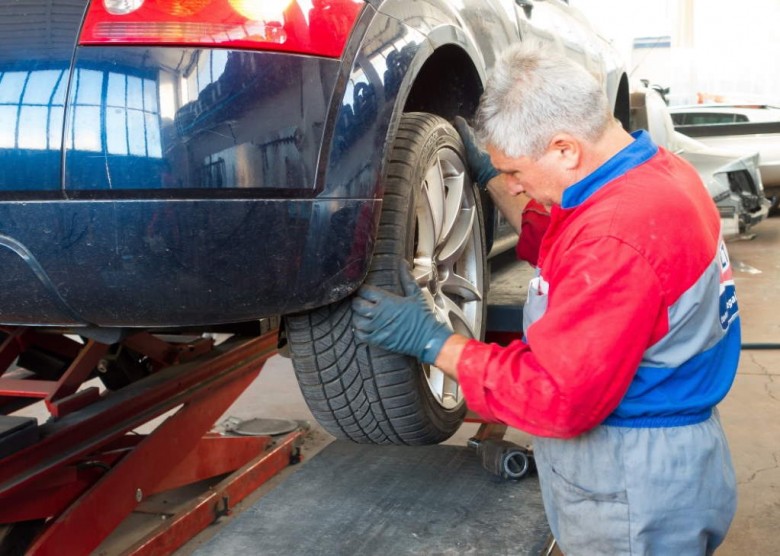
[{"x": 542, "y": 179}]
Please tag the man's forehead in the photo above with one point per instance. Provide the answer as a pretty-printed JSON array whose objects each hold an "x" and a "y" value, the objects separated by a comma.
[
  {"x": 496, "y": 153},
  {"x": 501, "y": 160}
]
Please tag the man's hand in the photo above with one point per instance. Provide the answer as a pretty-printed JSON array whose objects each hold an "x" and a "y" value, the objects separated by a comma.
[
  {"x": 480, "y": 167},
  {"x": 404, "y": 324}
]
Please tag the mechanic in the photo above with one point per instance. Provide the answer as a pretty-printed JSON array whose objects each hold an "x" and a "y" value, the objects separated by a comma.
[{"x": 632, "y": 332}]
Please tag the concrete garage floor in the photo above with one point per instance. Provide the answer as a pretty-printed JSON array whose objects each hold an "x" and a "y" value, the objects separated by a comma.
[{"x": 750, "y": 413}]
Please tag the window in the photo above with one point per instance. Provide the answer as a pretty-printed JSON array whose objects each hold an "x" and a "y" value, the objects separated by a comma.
[
  {"x": 708, "y": 118},
  {"x": 32, "y": 104},
  {"x": 209, "y": 66},
  {"x": 126, "y": 124}
]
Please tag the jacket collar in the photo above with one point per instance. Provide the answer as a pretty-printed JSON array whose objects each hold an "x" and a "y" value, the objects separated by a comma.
[{"x": 638, "y": 152}]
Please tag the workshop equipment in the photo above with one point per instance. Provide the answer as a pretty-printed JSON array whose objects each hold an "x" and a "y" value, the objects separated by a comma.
[
  {"x": 67, "y": 484},
  {"x": 503, "y": 458}
]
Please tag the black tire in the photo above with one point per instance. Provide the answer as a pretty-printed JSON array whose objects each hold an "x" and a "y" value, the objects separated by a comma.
[{"x": 366, "y": 394}]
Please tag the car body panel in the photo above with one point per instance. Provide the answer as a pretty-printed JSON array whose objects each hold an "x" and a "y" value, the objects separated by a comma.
[
  {"x": 734, "y": 182},
  {"x": 761, "y": 138},
  {"x": 36, "y": 48},
  {"x": 202, "y": 209},
  {"x": 167, "y": 262},
  {"x": 732, "y": 179},
  {"x": 197, "y": 186},
  {"x": 738, "y": 128},
  {"x": 560, "y": 24},
  {"x": 207, "y": 119}
]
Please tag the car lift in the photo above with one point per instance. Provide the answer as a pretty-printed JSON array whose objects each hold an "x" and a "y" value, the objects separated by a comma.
[{"x": 65, "y": 485}]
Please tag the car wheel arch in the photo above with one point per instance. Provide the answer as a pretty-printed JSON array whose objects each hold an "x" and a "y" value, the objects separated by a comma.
[
  {"x": 622, "y": 109},
  {"x": 449, "y": 68},
  {"x": 434, "y": 55},
  {"x": 448, "y": 47},
  {"x": 419, "y": 59},
  {"x": 425, "y": 69},
  {"x": 416, "y": 49}
]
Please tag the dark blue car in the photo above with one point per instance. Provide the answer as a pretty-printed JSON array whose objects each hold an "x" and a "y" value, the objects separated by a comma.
[{"x": 194, "y": 163}]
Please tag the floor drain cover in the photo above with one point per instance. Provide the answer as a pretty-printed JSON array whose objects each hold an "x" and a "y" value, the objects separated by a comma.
[{"x": 264, "y": 427}]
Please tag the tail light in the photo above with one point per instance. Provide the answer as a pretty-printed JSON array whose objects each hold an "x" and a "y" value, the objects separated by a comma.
[{"x": 319, "y": 27}]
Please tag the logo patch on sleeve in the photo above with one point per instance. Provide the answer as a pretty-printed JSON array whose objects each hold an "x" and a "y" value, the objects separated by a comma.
[
  {"x": 728, "y": 293},
  {"x": 728, "y": 304}
]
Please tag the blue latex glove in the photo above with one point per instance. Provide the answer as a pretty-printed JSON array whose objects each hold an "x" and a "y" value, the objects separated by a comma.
[
  {"x": 404, "y": 324},
  {"x": 480, "y": 167}
]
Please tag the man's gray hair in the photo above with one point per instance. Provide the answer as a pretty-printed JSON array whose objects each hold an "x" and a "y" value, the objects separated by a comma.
[{"x": 535, "y": 92}]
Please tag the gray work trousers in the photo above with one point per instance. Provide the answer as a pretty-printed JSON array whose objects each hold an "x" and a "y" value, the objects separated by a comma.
[{"x": 655, "y": 491}]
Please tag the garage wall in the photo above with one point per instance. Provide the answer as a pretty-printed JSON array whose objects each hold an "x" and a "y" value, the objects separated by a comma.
[{"x": 718, "y": 47}]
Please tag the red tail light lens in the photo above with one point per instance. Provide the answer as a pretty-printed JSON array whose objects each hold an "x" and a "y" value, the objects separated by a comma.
[{"x": 318, "y": 27}]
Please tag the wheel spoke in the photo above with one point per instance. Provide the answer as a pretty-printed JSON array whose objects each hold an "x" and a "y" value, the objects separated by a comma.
[
  {"x": 451, "y": 390},
  {"x": 426, "y": 232},
  {"x": 453, "y": 201},
  {"x": 458, "y": 285},
  {"x": 428, "y": 297},
  {"x": 459, "y": 238},
  {"x": 444, "y": 388},
  {"x": 434, "y": 191},
  {"x": 455, "y": 317}
]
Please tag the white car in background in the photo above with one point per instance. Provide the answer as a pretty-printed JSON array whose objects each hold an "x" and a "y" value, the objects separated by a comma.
[
  {"x": 739, "y": 128},
  {"x": 732, "y": 178},
  {"x": 716, "y": 114}
]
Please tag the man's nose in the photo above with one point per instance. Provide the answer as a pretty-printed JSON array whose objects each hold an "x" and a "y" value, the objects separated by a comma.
[{"x": 515, "y": 186}]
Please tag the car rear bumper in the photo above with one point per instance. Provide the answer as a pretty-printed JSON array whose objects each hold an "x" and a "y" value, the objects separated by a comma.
[
  {"x": 189, "y": 190},
  {"x": 143, "y": 263}
]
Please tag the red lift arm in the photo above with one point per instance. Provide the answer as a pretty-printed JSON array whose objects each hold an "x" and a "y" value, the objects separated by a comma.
[{"x": 87, "y": 471}]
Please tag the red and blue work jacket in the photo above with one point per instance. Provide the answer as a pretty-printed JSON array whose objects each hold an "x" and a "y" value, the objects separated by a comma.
[{"x": 632, "y": 319}]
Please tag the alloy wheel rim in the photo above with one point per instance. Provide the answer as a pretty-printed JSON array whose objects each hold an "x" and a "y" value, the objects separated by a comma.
[{"x": 448, "y": 265}]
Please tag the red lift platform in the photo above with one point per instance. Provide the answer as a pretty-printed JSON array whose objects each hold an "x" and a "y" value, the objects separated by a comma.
[{"x": 66, "y": 484}]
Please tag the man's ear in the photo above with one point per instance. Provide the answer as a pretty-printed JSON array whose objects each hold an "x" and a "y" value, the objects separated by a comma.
[{"x": 567, "y": 150}]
